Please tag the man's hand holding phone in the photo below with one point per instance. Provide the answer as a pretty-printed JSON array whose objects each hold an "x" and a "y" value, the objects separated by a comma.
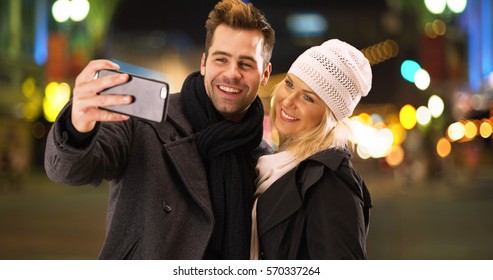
[
  {"x": 87, "y": 101},
  {"x": 104, "y": 94}
]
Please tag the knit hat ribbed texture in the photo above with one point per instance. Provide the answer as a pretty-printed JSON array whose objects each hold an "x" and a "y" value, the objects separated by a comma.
[{"x": 338, "y": 72}]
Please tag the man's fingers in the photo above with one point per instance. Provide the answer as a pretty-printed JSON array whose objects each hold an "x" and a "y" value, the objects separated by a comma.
[
  {"x": 105, "y": 115},
  {"x": 94, "y": 86},
  {"x": 92, "y": 68}
]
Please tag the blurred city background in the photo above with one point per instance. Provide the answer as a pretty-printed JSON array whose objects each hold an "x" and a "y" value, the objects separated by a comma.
[{"x": 423, "y": 134}]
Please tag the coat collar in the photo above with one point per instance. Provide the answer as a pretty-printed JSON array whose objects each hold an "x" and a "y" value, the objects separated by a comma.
[
  {"x": 285, "y": 196},
  {"x": 331, "y": 158},
  {"x": 175, "y": 116}
]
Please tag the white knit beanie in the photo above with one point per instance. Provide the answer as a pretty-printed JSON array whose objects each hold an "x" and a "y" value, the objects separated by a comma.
[{"x": 338, "y": 72}]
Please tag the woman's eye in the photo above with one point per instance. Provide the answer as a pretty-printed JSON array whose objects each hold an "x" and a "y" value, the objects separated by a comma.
[
  {"x": 289, "y": 84},
  {"x": 308, "y": 98}
]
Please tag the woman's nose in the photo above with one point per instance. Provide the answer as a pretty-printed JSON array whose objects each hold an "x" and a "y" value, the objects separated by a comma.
[{"x": 289, "y": 100}]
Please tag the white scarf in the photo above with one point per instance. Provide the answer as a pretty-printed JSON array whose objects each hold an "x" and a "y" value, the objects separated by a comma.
[{"x": 269, "y": 169}]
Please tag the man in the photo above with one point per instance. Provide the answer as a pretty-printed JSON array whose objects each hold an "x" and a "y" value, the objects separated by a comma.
[{"x": 181, "y": 189}]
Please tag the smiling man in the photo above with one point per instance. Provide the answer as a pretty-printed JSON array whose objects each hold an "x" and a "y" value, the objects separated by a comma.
[{"x": 183, "y": 188}]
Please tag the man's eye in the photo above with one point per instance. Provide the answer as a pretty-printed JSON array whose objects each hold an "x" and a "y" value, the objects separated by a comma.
[{"x": 245, "y": 65}]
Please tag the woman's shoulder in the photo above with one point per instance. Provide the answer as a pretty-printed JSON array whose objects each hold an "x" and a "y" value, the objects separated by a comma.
[
  {"x": 331, "y": 158},
  {"x": 327, "y": 169}
]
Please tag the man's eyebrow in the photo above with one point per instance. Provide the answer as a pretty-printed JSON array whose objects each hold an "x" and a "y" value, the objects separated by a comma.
[
  {"x": 246, "y": 57},
  {"x": 221, "y": 53}
]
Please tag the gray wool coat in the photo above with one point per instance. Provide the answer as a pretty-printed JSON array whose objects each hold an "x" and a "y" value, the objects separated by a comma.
[{"x": 159, "y": 204}]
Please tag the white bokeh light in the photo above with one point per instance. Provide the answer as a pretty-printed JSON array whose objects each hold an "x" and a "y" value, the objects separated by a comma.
[
  {"x": 436, "y": 6},
  {"x": 423, "y": 115},
  {"x": 61, "y": 10},
  {"x": 79, "y": 10},
  {"x": 436, "y": 106},
  {"x": 422, "y": 79},
  {"x": 457, "y": 6}
]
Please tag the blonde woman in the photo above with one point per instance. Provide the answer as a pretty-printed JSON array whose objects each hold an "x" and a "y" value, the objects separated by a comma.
[{"x": 310, "y": 202}]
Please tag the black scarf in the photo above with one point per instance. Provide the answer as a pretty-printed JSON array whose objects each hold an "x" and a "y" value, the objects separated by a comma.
[{"x": 226, "y": 149}]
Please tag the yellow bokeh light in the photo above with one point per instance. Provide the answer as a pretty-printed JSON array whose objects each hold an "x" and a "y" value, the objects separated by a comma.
[
  {"x": 28, "y": 87},
  {"x": 471, "y": 130},
  {"x": 366, "y": 119},
  {"x": 51, "y": 90},
  {"x": 31, "y": 111},
  {"x": 485, "y": 129},
  {"x": 56, "y": 96},
  {"x": 399, "y": 133},
  {"x": 407, "y": 116},
  {"x": 439, "y": 27}
]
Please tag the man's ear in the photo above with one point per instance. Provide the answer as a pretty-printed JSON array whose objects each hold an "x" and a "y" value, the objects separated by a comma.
[
  {"x": 266, "y": 74},
  {"x": 202, "y": 64}
]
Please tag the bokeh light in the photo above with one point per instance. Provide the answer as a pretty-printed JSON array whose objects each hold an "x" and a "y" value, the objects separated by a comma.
[
  {"x": 61, "y": 10},
  {"x": 407, "y": 116},
  {"x": 422, "y": 79},
  {"x": 76, "y": 10},
  {"x": 395, "y": 157},
  {"x": 456, "y": 131},
  {"x": 470, "y": 130},
  {"x": 409, "y": 69},
  {"x": 56, "y": 96},
  {"x": 436, "y": 6},
  {"x": 423, "y": 116},
  {"x": 79, "y": 10},
  {"x": 436, "y": 106},
  {"x": 457, "y": 6},
  {"x": 486, "y": 129},
  {"x": 443, "y": 147}
]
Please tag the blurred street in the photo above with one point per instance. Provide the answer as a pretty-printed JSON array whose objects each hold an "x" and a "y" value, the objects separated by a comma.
[{"x": 448, "y": 218}]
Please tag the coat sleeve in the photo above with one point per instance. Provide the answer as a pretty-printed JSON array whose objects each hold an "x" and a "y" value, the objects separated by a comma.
[
  {"x": 335, "y": 215},
  {"x": 102, "y": 158}
]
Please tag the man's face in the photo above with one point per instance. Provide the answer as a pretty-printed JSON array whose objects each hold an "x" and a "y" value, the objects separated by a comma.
[{"x": 233, "y": 70}]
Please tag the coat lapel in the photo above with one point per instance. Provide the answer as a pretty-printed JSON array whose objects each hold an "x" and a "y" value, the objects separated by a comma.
[
  {"x": 177, "y": 134},
  {"x": 283, "y": 198},
  {"x": 278, "y": 203}
]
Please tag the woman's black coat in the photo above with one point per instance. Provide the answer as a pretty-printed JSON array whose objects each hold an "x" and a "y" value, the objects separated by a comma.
[{"x": 318, "y": 210}]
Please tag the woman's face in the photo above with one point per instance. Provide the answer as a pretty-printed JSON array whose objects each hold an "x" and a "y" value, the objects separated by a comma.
[{"x": 298, "y": 108}]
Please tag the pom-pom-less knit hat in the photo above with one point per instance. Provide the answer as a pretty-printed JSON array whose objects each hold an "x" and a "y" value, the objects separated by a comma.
[{"x": 338, "y": 72}]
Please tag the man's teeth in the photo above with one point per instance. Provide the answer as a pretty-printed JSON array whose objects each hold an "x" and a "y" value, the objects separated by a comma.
[
  {"x": 287, "y": 116},
  {"x": 228, "y": 89}
]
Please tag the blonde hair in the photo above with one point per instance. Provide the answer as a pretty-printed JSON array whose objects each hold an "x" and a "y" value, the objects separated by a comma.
[{"x": 329, "y": 134}]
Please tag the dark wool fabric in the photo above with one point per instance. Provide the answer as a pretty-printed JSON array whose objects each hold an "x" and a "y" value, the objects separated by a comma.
[{"x": 225, "y": 147}]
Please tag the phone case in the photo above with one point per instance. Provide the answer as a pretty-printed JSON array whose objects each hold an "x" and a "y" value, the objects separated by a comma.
[{"x": 150, "y": 97}]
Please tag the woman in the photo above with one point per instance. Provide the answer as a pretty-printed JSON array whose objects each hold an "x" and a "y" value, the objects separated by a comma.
[{"x": 311, "y": 203}]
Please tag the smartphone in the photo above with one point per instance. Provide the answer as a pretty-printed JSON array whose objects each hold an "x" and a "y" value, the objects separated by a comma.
[{"x": 150, "y": 97}]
